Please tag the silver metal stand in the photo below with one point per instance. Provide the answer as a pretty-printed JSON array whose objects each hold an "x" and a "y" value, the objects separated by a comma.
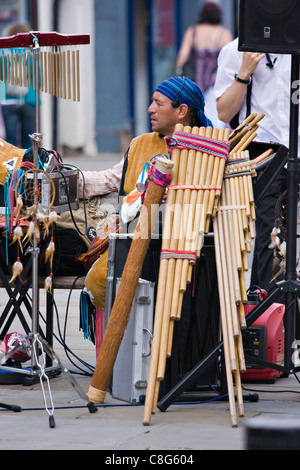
[{"x": 39, "y": 347}]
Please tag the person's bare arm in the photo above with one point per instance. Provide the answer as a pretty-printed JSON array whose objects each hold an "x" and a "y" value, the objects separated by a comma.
[
  {"x": 185, "y": 49},
  {"x": 229, "y": 104}
]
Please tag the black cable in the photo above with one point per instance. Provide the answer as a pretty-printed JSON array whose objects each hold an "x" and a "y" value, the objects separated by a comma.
[
  {"x": 68, "y": 198},
  {"x": 61, "y": 339},
  {"x": 272, "y": 391}
]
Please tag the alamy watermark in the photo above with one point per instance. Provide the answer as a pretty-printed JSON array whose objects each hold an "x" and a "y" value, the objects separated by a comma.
[{"x": 295, "y": 94}]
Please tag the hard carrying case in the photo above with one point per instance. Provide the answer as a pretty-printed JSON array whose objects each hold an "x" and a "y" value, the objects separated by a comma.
[{"x": 130, "y": 373}]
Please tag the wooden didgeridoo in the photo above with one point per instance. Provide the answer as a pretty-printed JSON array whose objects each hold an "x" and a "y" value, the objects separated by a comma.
[{"x": 120, "y": 312}]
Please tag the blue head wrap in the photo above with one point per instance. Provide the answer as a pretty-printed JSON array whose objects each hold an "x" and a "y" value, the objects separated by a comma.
[{"x": 185, "y": 91}]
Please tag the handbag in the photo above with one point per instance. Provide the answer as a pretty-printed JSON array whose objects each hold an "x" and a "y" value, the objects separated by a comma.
[{"x": 189, "y": 68}]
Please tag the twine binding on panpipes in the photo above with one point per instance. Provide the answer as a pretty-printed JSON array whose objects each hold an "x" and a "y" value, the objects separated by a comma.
[
  {"x": 175, "y": 254},
  {"x": 199, "y": 187}
]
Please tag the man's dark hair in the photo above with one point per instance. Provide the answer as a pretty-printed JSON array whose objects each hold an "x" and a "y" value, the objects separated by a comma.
[{"x": 194, "y": 117}]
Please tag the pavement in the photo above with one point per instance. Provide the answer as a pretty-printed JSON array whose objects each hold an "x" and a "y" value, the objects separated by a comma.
[
  {"x": 117, "y": 426},
  {"x": 117, "y": 429}
]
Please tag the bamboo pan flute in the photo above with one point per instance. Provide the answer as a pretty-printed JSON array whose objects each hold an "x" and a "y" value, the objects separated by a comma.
[
  {"x": 235, "y": 216},
  {"x": 187, "y": 216},
  {"x": 59, "y": 70}
]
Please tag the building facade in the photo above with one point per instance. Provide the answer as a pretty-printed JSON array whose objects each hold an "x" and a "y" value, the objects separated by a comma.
[{"x": 133, "y": 46}]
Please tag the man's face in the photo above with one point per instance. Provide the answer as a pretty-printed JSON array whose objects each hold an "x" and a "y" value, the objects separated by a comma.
[{"x": 163, "y": 116}]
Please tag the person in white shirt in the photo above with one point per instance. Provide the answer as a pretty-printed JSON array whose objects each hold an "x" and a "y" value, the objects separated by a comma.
[
  {"x": 270, "y": 90},
  {"x": 262, "y": 80}
]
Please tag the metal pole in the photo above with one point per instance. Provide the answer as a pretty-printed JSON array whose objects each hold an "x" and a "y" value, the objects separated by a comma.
[
  {"x": 36, "y": 139},
  {"x": 292, "y": 202}
]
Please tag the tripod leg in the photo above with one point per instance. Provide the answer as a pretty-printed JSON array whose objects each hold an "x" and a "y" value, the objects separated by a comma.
[
  {"x": 14, "y": 408},
  {"x": 68, "y": 376},
  {"x": 36, "y": 346}
]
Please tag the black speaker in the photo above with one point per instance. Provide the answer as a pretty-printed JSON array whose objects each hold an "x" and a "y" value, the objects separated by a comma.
[{"x": 269, "y": 26}]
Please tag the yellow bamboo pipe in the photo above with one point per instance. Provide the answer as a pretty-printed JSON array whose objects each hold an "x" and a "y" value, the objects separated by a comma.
[
  {"x": 206, "y": 196},
  {"x": 149, "y": 406},
  {"x": 245, "y": 128},
  {"x": 214, "y": 181},
  {"x": 195, "y": 207},
  {"x": 200, "y": 211},
  {"x": 238, "y": 387},
  {"x": 227, "y": 340},
  {"x": 176, "y": 232},
  {"x": 235, "y": 225},
  {"x": 233, "y": 204},
  {"x": 226, "y": 211},
  {"x": 220, "y": 177},
  {"x": 241, "y": 129},
  {"x": 223, "y": 277},
  {"x": 188, "y": 208},
  {"x": 229, "y": 269},
  {"x": 240, "y": 214}
]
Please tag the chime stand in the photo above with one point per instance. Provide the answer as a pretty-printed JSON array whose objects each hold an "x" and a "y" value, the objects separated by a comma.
[
  {"x": 37, "y": 343},
  {"x": 290, "y": 287}
]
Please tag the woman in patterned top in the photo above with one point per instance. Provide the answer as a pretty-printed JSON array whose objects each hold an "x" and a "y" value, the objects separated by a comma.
[{"x": 205, "y": 40}]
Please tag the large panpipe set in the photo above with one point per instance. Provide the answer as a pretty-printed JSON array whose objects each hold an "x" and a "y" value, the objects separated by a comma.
[{"x": 211, "y": 182}]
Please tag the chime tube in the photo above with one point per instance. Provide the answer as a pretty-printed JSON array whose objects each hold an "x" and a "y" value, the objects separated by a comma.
[{"x": 59, "y": 71}]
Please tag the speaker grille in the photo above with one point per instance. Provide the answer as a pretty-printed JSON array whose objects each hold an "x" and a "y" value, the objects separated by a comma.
[
  {"x": 269, "y": 26},
  {"x": 276, "y": 7}
]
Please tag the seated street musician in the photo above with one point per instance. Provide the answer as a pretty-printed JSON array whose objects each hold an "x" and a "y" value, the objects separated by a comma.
[{"x": 177, "y": 100}]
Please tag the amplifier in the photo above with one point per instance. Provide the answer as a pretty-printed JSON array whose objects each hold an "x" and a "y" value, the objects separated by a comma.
[
  {"x": 65, "y": 184},
  {"x": 66, "y": 190}
]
